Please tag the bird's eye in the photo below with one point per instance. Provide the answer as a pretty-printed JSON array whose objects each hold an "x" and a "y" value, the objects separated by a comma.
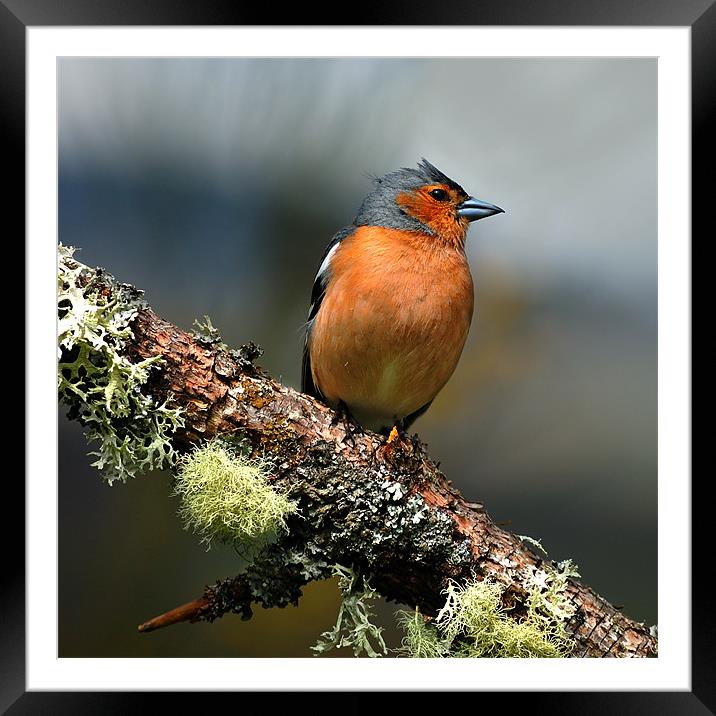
[{"x": 439, "y": 194}]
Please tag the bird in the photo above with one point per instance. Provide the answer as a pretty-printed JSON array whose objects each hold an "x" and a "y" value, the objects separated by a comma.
[{"x": 392, "y": 300}]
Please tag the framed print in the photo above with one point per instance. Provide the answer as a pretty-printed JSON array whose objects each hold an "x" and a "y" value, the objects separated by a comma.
[{"x": 209, "y": 167}]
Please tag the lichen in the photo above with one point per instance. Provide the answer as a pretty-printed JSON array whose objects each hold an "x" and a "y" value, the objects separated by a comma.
[
  {"x": 534, "y": 543},
  {"x": 226, "y": 496},
  {"x": 474, "y": 623},
  {"x": 367, "y": 519},
  {"x": 353, "y": 626},
  {"x": 206, "y": 332},
  {"x": 102, "y": 387},
  {"x": 546, "y": 604},
  {"x": 421, "y": 641},
  {"x": 370, "y": 519}
]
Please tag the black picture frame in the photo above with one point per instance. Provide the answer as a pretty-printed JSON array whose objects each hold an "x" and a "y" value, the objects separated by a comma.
[{"x": 17, "y": 15}]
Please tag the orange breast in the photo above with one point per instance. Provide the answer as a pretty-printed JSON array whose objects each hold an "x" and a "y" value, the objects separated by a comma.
[{"x": 392, "y": 324}]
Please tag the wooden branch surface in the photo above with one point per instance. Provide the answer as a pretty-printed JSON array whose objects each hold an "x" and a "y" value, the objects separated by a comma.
[{"x": 327, "y": 470}]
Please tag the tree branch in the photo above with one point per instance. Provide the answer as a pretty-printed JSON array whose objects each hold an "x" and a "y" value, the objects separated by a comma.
[{"x": 384, "y": 509}]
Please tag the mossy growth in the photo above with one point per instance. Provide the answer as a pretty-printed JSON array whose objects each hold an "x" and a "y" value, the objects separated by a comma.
[
  {"x": 354, "y": 626},
  {"x": 102, "y": 387},
  {"x": 227, "y": 497},
  {"x": 473, "y": 623}
]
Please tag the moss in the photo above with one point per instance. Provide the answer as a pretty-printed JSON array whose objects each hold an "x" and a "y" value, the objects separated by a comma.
[
  {"x": 100, "y": 385},
  {"x": 354, "y": 626},
  {"x": 474, "y": 623},
  {"x": 227, "y": 497}
]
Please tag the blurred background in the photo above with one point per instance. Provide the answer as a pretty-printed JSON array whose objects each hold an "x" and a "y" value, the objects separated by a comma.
[{"x": 215, "y": 185}]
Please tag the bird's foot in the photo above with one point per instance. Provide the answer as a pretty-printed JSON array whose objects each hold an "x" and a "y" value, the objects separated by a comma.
[{"x": 351, "y": 426}]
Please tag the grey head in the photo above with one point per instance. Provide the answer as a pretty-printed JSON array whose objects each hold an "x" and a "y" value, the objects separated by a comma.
[{"x": 380, "y": 207}]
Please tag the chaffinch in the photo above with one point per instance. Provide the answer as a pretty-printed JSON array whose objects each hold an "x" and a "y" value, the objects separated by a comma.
[{"x": 392, "y": 300}]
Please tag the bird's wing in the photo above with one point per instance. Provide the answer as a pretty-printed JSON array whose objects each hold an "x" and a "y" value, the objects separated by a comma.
[{"x": 320, "y": 284}]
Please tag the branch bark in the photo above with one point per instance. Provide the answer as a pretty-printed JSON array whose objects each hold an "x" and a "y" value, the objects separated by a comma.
[{"x": 386, "y": 510}]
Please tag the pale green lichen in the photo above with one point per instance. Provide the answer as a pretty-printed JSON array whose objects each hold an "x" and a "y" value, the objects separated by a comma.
[
  {"x": 354, "y": 626},
  {"x": 100, "y": 384},
  {"x": 206, "y": 331},
  {"x": 421, "y": 641},
  {"x": 534, "y": 542},
  {"x": 473, "y": 623},
  {"x": 546, "y": 604},
  {"x": 227, "y": 497}
]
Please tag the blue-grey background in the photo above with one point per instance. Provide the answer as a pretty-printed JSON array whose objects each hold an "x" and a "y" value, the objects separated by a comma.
[{"x": 215, "y": 185}]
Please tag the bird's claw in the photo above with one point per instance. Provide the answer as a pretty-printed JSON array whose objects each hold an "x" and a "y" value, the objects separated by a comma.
[{"x": 351, "y": 426}]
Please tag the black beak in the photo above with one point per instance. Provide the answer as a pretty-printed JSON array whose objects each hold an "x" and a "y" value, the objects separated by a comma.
[{"x": 473, "y": 209}]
